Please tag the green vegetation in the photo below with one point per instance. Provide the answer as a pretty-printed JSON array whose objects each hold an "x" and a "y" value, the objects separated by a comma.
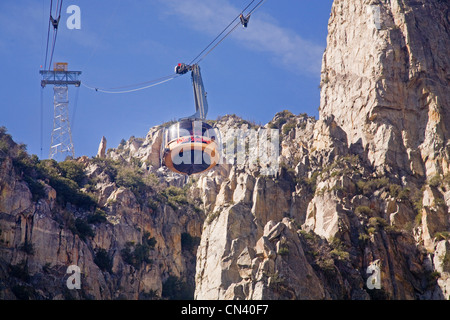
[
  {"x": 326, "y": 264},
  {"x": 417, "y": 200},
  {"x": 79, "y": 226},
  {"x": 103, "y": 260},
  {"x": 82, "y": 229},
  {"x": 288, "y": 127},
  {"x": 281, "y": 118},
  {"x": 418, "y": 219},
  {"x": 438, "y": 201},
  {"x": 152, "y": 204},
  {"x": 137, "y": 254},
  {"x": 108, "y": 167},
  {"x": 36, "y": 188},
  {"x": 445, "y": 260},
  {"x": 377, "y": 222},
  {"x": 339, "y": 250},
  {"x": 283, "y": 251},
  {"x": 150, "y": 295},
  {"x": 319, "y": 254},
  {"x": 446, "y": 179},
  {"x": 65, "y": 177},
  {"x": 239, "y": 121},
  {"x": 74, "y": 171},
  {"x": 7, "y": 145},
  {"x": 435, "y": 181},
  {"x": 130, "y": 178},
  {"x": 188, "y": 242},
  {"x": 368, "y": 187},
  {"x": 250, "y": 124},
  {"x": 59, "y": 176},
  {"x": 341, "y": 166},
  {"x": 19, "y": 271},
  {"x": 442, "y": 235},
  {"x": 309, "y": 236},
  {"x": 98, "y": 217},
  {"x": 212, "y": 216},
  {"x": 22, "y": 290},
  {"x": 399, "y": 192},
  {"x": 363, "y": 238},
  {"x": 121, "y": 144},
  {"x": 276, "y": 281},
  {"x": 432, "y": 277},
  {"x": 311, "y": 182},
  {"x": 176, "y": 289},
  {"x": 47, "y": 268},
  {"x": 289, "y": 168},
  {"x": 363, "y": 210},
  {"x": 175, "y": 196}
]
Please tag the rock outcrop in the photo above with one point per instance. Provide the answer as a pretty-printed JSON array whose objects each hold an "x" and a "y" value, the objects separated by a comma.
[
  {"x": 128, "y": 237},
  {"x": 385, "y": 79},
  {"x": 101, "y": 153}
]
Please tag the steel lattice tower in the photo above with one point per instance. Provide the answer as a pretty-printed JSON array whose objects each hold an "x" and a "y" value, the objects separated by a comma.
[{"x": 61, "y": 144}]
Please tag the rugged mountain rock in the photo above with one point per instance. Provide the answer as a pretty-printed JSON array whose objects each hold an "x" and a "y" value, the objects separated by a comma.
[
  {"x": 101, "y": 153},
  {"x": 385, "y": 77},
  {"x": 356, "y": 206}
]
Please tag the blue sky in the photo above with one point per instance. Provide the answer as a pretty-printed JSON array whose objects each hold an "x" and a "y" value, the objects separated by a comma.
[{"x": 272, "y": 65}]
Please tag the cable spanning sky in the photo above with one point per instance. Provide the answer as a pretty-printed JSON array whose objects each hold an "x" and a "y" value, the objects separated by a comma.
[{"x": 272, "y": 65}]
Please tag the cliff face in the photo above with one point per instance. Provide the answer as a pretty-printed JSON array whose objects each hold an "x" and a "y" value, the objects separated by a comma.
[
  {"x": 385, "y": 77},
  {"x": 357, "y": 209},
  {"x": 125, "y": 234},
  {"x": 378, "y": 160},
  {"x": 315, "y": 230}
]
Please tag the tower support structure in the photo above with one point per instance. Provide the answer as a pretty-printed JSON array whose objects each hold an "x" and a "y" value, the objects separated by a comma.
[
  {"x": 61, "y": 145},
  {"x": 61, "y": 142}
]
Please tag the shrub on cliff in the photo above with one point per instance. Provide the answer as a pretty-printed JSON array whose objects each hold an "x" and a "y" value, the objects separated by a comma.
[
  {"x": 137, "y": 254},
  {"x": 103, "y": 260},
  {"x": 176, "y": 289},
  {"x": 60, "y": 176}
]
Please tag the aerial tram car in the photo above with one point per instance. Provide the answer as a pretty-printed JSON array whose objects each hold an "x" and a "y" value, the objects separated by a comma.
[{"x": 191, "y": 145}]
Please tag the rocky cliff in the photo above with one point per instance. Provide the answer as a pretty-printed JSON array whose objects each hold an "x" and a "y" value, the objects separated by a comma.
[
  {"x": 385, "y": 81},
  {"x": 358, "y": 207}
]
